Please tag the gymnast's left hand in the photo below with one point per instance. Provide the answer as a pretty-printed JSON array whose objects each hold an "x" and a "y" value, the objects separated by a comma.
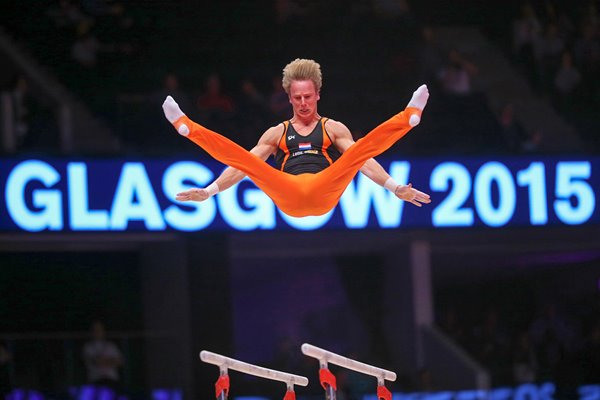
[
  {"x": 412, "y": 195},
  {"x": 195, "y": 194}
]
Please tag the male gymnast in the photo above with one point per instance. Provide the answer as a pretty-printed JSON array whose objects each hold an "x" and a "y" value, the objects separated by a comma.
[{"x": 315, "y": 157}]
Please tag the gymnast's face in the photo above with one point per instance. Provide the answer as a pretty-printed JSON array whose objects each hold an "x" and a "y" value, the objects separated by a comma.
[{"x": 304, "y": 98}]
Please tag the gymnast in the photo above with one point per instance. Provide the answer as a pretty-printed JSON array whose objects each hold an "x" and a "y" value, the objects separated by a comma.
[{"x": 315, "y": 157}]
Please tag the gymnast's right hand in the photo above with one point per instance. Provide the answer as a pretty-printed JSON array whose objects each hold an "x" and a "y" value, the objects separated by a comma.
[{"x": 195, "y": 194}]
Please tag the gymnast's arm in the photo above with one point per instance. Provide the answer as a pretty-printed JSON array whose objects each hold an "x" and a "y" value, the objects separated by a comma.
[
  {"x": 267, "y": 145},
  {"x": 342, "y": 138}
]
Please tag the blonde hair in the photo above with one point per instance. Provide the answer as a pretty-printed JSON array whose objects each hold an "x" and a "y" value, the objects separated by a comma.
[{"x": 302, "y": 70}]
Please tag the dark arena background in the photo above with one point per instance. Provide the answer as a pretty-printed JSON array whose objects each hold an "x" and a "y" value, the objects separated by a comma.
[{"x": 492, "y": 291}]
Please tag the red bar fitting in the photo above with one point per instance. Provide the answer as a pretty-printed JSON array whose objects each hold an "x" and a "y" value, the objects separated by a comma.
[
  {"x": 383, "y": 393},
  {"x": 327, "y": 379},
  {"x": 221, "y": 385},
  {"x": 290, "y": 395}
]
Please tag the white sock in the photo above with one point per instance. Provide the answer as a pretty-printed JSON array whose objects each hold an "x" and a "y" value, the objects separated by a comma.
[
  {"x": 418, "y": 100},
  {"x": 172, "y": 110},
  {"x": 173, "y": 113}
]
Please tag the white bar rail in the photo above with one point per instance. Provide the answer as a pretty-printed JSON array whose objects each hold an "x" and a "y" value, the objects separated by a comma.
[
  {"x": 333, "y": 358},
  {"x": 251, "y": 369}
]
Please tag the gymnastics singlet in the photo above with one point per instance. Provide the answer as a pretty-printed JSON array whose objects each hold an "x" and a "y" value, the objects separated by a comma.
[{"x": 297, "y": 154}]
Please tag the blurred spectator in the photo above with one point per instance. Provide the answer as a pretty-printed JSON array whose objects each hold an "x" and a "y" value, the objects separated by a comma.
[
  {"x": 545, "y": 358},
  {"x": 171, "y": 87},
  {"x": 566, "y": 83},
  {"x": 455, "y": 76},
  {"x": 513, "y": 133},
  {"x": 102, "y": 358},
  {"x": 288, "y": 9},
  {"x": 396, "y": 11},
  {"x": 567, "y": 65},
  {"x": 534, "y": 142},
  {"x": 115, "y": 26},
  {"x": 548, "y": 51},
  {"x": 21, "y": 106},
  {"x": 213, "y": 99},
  {"x": 431, "y": 56},
  {"x": 550, "y": 14},
  {"x": 5, "y": 365},
  {"x": 586, "y": 51},
  {"x": 68, "y": 13},
  {"x": 85, "y": 49},
  {"x": 137, "y": 114},
  {"x": 590, "y": 14},
  {"x": 215, "y": 107},
  {"x": 88, "y": 46},
  {"x": 279, "y": 102},
  {"x": 526, "y": 30},
  {"x": 252, "y": 113},
  {"x": 524, "y": 360},
  {"x": 251, "y": 97}
]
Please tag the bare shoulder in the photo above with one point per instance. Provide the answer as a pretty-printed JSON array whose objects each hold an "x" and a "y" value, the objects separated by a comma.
[
  {"x": 272, "y": 135},
  {"x": 267, "y": 144},
  {"x": 337, "y": 129}
]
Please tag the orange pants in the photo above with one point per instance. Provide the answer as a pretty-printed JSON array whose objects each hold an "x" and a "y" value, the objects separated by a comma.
[{"x": 305, "y": 194}]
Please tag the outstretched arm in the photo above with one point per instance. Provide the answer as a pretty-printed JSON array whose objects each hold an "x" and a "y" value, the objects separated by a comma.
[
  {"x": 342, "y": 139},
  {"x": 266, "y": 146}
]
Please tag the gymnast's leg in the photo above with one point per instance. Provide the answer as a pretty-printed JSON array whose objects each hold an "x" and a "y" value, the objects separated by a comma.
[
  {"x": 302, "y": 195},
  {"x": 287, "y": 191},
  {"x": 332, "y": 181}
]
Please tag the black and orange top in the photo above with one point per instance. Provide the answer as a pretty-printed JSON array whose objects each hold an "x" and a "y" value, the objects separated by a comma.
[{"x": 297, "y": 154}]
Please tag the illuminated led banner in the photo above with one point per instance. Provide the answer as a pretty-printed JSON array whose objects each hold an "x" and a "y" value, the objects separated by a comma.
[
  {"x": 139, "y": 195},
  {"x": 540, "y": 391}
]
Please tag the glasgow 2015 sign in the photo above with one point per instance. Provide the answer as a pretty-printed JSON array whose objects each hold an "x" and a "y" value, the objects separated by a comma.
[{"x": 120, "y": 195}]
